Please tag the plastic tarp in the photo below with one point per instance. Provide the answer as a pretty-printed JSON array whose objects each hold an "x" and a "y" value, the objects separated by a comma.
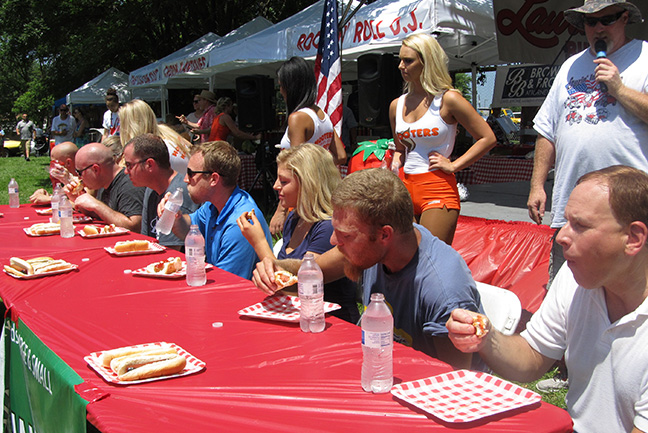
[
  {"x": 465, "y": 29},
  {"x": 259, "y": 376},
  {"x": 94, "y": 91},
  {"x": 513, "y": 255}
]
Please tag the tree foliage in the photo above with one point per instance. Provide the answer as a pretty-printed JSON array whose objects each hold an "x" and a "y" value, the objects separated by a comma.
[{"x": 49, "y": 48}]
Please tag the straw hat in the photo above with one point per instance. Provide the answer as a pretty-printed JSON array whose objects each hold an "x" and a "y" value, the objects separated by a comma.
[
  {"x": 206, "y": 94},
  {"x": 575, "y": 16}
]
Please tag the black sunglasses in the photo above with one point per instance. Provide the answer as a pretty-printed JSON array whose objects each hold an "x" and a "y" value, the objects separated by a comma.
[
  {"x": 196, "y": 101},
  {"x": 129, "y": 165},
  {"x": 606, "y": 20},
  {"x": 191, "y": 173},
  {"x": 80, "y": 172}
]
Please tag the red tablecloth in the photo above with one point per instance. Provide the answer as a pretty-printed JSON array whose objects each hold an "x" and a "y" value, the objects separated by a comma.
[{"x": 260, "y": 376}]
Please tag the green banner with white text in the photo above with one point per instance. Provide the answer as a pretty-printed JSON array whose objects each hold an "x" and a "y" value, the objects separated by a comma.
[{"x": 41, "y": 386}]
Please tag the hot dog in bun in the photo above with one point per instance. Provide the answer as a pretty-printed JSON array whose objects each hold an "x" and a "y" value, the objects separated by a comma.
[
  {"x": 127, "y": 246},
  {"x": 39, "y": 265},
  {"x": 479, "y": 322},
  {"x": 169, "y": 266},
  {"x": 40, "y": 229},
  {"x": 284, "y": 279},
  {"x": 137, "y": 363}
]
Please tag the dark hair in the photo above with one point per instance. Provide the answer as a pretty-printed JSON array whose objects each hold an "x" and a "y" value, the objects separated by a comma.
[
  {"x": 378, "y": 197},
  {"x": 79, "y": 110},
  {"x": 298, "y": 80},
  {"x": 627, "y": 192},
  {"x": 147, "y": 146},
  {"x": 222, "y": 158},
  {"x": 111, "y": 95}
]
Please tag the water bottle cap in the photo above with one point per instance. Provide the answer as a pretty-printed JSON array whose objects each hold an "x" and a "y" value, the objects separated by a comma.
[{"x": 377, "y": 297}]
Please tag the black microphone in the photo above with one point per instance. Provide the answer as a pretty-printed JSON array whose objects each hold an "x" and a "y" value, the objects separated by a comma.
[{"x": 601, "y": 47}]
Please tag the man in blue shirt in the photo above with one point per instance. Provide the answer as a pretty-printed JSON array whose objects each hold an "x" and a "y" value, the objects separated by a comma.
[{"x": 212, "y": 173}]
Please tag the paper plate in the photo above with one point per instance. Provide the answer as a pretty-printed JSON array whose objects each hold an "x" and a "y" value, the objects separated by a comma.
[
  {"x": 284, "y": 308},
  {"x": 142, "y": 272},
  {"x": 463, "y": 395},
  {"x": 28, "y": 232},
  {"x": 154, "y": 248},
  {"x": 118, "y": 231},
  {"x": 44, "y": 274},
  {"x": 194, "y": 365}
]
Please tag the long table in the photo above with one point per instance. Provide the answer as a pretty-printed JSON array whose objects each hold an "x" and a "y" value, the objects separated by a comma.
[{"x": 259, "y": 375}]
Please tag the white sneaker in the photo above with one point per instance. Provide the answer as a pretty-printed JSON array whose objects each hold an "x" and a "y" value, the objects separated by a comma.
[{"x": 552, "y": 385}]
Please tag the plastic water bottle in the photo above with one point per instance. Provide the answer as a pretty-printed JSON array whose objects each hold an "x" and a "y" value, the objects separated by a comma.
[
  {"x": 165, "y": 222},
  {"x": 14, "y": 198},
  {"x": 195, "y": 255},
  {"x": 389, "y": 157},
  {"x": 311, "y": 295},
  {"x": 65, "y": 212},
  {"x": 56, "y": 199},
  {"x": 377, "y": 346}
]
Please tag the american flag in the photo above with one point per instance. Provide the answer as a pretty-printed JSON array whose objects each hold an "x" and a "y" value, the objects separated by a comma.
[{"x": 328, "y": 66}]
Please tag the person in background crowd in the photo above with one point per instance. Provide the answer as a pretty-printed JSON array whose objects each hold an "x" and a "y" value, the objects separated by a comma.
[
  {"x": 111, "y": 117},
  {"x": 2, "y": 149},
  {"x": 27, "y": 132},
  {"x": 423, "y": 279},
  {"x": 212, "y": 174},
  {"x": 570, "y": 131},
  {"x": 146, "y": 158},
  {"x": 63, "y": 125},
  {"x": 306, "y": 178},
  {"x": 595, "y": 313},
  {"x": 137, "y": 118},
  {"x": 349, "y": 130},
  {"x": 174, "y": 123},
  {"x": 424, "y": 124},
  {"x": 224, "y": 125},
  {"x": 306, "y": 122},
  {"x": 63, "y": 155},
  {"x": 81, "y": 132},
  {"x": 203, "y": 126},
  {"x": 194, "y": 117},
  {"x": 118, "y": 201},
  {"x": 114, "y": 144}
]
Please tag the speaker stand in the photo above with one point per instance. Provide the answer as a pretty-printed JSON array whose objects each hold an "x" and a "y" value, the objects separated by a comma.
[{"x": 266, "y": 169}]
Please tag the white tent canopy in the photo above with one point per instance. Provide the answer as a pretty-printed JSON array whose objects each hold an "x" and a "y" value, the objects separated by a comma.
[
  {"x": 465, "y": 29},
  {"x": 94, "y": 91},
  {"x": 191, "y": 58}
]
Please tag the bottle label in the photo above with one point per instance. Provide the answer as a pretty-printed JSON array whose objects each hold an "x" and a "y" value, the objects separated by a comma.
[
  {"x": 65, "y": 213},
  {"x": 13, "y": 190},
  {"x": 173, "y": 207},
  {"x": 376, "y": 340},
  {"x": 194, "y": 251},
  {"x": 310, "y": 289}
]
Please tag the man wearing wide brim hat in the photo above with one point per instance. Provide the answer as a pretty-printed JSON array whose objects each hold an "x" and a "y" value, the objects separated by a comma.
[
  {"x": 207, "y": 102},
  {"x": 595, "y": 115}
]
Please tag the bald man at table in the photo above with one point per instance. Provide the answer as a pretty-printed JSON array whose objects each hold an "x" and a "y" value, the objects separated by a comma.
[
  {"x": 63, "y": 155},
  {"x": 595, "y": 313},
  {"x": 118, "y": 201}
]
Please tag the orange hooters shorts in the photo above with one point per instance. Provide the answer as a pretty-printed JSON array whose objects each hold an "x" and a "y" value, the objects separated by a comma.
[{"x": 432, "y": 190}]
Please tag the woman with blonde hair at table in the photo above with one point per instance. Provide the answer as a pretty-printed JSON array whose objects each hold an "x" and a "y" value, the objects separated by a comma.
[
  {"x": 424, "y": 125},
  {"x": 223, "y": 124},
  {"x": 306, "y": 179},
  {"x": 306, "y": 121},
  {"x": 137, "y": 117}
]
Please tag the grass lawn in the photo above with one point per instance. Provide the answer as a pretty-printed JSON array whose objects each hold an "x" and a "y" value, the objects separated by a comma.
[
  {"x": 30, "y": 176},
  {"x": 35, "y": 174}
]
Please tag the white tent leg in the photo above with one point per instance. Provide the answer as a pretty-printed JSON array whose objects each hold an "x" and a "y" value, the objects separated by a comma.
[{"x": 473, "y": 68}]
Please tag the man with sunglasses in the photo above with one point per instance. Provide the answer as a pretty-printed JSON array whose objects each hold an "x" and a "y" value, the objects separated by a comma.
[
  {"x": 212, "y": 173},
  {"x": 118, "y": 201},
  {"x": 595, "y": 115},
  {"x": 63, "y": 125},
  {"x": 147, "y": 162}
]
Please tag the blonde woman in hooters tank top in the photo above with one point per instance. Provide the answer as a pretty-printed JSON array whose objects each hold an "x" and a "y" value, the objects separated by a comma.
[{"x": 424, "y": 122}]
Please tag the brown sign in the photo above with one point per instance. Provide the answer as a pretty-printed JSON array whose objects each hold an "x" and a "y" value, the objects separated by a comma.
[{"x": 535, "y": 31}]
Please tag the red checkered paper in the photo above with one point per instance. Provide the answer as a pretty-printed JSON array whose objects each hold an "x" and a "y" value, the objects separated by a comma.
[
  {"x": 194, "y": 365},
  {"x": 463, "y": 395},
  {"x": 284, "y": 308}
]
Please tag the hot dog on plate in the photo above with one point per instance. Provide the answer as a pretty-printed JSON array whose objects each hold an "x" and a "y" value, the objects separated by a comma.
[
  {"x": 127, "y": 246},
  {"x": 137, "y": 363}
]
